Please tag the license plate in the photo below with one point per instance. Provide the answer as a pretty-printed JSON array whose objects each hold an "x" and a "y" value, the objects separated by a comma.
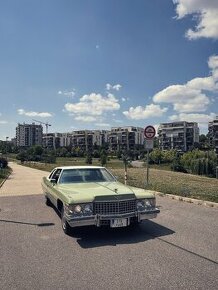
[{"x": 118, "y": 223}]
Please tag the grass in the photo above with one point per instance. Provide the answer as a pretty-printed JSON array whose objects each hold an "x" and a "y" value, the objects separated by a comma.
[
  {"x": 4, "y": 173},
  {"x": 164, "y": 166},
  {"x": 177, "y": 183},
  {"x": 61, "y": 161},
  {"x": 187, "y": 185}
]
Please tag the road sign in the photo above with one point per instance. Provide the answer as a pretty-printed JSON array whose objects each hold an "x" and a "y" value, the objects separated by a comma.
[{"x": 149, "y": 132}]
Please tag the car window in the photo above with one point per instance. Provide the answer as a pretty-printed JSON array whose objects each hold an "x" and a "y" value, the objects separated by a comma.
[
  {"x": 50, "y": 175},
  {"x": 56, "y": 174},
  {"x": 86, "y": 175}
]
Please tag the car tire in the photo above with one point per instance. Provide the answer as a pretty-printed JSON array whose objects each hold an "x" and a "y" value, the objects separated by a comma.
[
  {"x": 47, "y": 201},
  {"x": 65, "y": 226}
]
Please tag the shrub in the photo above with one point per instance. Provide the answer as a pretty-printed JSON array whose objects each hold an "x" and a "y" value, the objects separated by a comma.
[
  {"x": 89, "y": 158},
  {"x": 3, "y": 162}
]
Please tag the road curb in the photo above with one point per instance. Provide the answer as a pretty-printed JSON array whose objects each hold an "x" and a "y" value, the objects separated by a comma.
[
  {"x": 1, "y": 184},
  {"x": 187, "y": 199}
]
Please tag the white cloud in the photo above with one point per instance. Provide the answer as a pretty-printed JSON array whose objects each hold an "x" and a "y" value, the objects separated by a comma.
[
  {"x": 67, "y": 93},
  {"x": 97, "y": 46},
  {"x": 123, "y": 99},
  {"x": 205, "y": 13},
  {"x": 113, "y": 87},
  {"x": 191, "y": 97},
  {"x": 93, "y": 105},
  {"x": 34, "y": 114},
  {"x": 140, "y": 112},
  {"x": 183, "y": 98},
  {"x": 85, "y": 118},
  {"x": 199, "y": 118}
]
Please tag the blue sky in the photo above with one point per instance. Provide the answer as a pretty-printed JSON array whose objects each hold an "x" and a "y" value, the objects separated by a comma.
[{"x": 95, "y": 64}]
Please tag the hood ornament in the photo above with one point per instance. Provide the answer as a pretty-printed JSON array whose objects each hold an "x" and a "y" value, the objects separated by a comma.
[{"x": 116, "y": 190}]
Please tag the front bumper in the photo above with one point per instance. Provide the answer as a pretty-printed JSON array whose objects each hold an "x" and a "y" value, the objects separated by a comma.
[{"x": 99, "y": 220}]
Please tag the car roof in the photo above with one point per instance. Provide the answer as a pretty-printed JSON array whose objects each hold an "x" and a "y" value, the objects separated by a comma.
[{"x": 78, "y": 167}]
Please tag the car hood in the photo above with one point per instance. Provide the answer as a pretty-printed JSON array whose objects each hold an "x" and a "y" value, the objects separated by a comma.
[{"x": 86, "y": 192}]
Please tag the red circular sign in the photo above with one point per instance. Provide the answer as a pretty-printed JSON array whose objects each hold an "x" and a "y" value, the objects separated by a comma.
[{"x": 149, "y": 132}]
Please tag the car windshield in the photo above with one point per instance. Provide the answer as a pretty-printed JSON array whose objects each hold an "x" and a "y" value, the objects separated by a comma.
[{"x": 86, "y": 175}]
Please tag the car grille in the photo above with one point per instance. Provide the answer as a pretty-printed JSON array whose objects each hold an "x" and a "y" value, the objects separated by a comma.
[{"x": 115, "y": 207}]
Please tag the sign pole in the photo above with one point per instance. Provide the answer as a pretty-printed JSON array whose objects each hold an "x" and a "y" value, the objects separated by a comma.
[
  {"x": 149, "y": 134},
  {"x": 147, "y": 167}
]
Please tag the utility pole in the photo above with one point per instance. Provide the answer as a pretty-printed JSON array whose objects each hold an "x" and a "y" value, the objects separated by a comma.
[{"x": 6, "y": 144}]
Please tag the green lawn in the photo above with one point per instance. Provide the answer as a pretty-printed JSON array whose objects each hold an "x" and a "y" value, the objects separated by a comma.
[
  {"x": 177, "y": 183},
  {"x": 61, "y": 161},
  {"x": 4, "y": 173},
  {"x": 165, "y": 181}
]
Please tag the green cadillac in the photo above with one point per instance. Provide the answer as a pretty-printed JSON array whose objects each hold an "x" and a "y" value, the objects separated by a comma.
[{"x": 91, "y": 195}]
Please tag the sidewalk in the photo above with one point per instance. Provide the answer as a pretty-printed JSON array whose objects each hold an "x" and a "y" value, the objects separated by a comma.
[{"x": 22, "y": 181}]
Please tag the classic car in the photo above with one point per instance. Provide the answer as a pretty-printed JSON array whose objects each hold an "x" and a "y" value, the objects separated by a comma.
[{"x": 91, "y": 195}]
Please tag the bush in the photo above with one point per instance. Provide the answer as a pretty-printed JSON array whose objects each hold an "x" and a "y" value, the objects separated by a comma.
[
  {"x": 200, "y": 162},
  {"x": 22, "y": 156},
  {"x": 3, "y": 162},
  {"x": 177, "y": 166}
]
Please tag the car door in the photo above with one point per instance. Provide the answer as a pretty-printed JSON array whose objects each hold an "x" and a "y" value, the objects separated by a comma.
[{"x": 52, "y": 187}]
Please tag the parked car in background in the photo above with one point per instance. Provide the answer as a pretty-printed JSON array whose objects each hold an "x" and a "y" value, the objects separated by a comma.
[{"x": 91, "y": 195}]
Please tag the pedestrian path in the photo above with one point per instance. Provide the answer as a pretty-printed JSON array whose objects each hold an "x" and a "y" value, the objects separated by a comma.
[{"x": 22, "y": 181}]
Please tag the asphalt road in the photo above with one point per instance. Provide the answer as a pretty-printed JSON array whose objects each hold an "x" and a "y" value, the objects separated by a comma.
[{"x": 177, "y": 250}]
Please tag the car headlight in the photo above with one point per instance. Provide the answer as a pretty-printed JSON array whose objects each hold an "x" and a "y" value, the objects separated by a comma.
[
  {"x": 68, "y": 209},
  {"x": 77, "y": 209},
  {"x": 88, "y": 208},
  {"x": 150, "y": 202},
  {"x": 140, "y": 205},
  {"x": 145, "y": 204}
]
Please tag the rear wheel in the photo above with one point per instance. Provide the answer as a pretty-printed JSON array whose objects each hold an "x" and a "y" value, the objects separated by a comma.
[{"x": 65, "y": 226}]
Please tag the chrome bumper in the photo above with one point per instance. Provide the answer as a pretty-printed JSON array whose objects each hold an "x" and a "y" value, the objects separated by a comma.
[{"x": 95, "y": 220}]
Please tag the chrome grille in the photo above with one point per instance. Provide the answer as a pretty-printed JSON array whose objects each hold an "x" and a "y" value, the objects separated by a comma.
[{"x": 115, "y": 207}]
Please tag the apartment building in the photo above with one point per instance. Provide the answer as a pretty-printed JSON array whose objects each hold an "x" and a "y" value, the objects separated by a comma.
[
  {"x": 56, "y": 140},
  {"x": 28, "y": 135},
  {"x": 213, "y": 134},
  {"x": 178, "y": 135},
  {"x": 84, "y": 139},
  {"x": 125, "y": 138}
]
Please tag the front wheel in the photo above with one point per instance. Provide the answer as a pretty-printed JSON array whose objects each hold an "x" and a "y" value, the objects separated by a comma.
[
  {"x": 47, "y": 201},
  {"x": 65, "y": 226}
]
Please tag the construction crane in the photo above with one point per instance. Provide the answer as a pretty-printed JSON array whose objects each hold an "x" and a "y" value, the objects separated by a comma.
[{"x": 46, "y": 124}]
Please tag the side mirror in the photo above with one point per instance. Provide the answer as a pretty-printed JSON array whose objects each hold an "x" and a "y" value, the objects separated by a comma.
[{"x": 53, "y": 181}]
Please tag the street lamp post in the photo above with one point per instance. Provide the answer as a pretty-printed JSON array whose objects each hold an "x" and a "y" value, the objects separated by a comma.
[{"x": 6, "y": 147}]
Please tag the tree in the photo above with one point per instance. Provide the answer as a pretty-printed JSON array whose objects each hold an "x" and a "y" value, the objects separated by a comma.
[
  {"x": 203, "y": 142},
  {"x": 156, "y": 156},
  {"x": 38, "y": 150},
  {"x": 89, "y": 158},
  {"x": 22, "y": 156},
  {"x": 177, "y": 165},
  {"x": 200, "y": 162},
  {"x": 96, "y": 153},
  {"x": 103, "y": 157}
]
